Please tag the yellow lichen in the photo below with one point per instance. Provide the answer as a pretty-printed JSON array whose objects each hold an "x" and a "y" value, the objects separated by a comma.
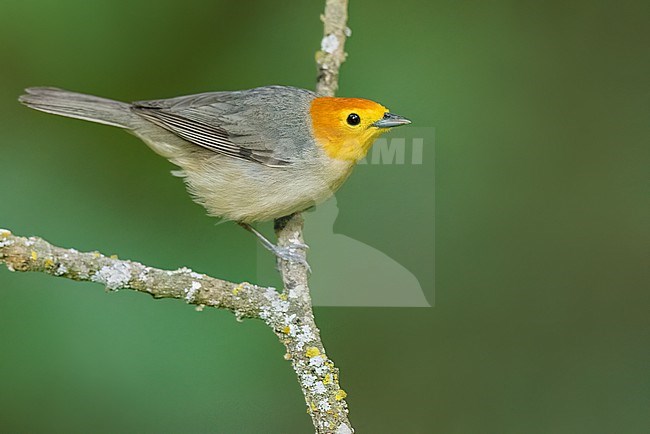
[
  {"x": 114, "y": 257},
  {"x": 287, "y": 356},
  {"x": 286, "y": 330},
  {"x": 34, "y": 255},
  {"x": 340, "y": 395},
  {"x": 283, "y": 297},
  {"x": 96, "y": 255},
  {"x": 238, "y": 288},
  {"x": 4, "y": 233},
  {"x": 327, "y": 379},
  {"x": 313, "y": 407},
  {"x": 312, "y": 352},
  {"x": 48, "y": 263}
]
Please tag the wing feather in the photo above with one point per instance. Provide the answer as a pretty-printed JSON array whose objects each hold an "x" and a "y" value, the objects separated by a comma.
[
  {"x": 207, "y": 136},
  {"x": 263, "y": 125}
]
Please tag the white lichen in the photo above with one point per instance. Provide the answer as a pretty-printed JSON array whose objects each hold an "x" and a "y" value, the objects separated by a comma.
[
  {"x": 191, "y": 292},
  {"x": 61, "y": 270},
  {"x": 299, "y": 291},
  {"x": 114, "y": 276},
  {"x": 308, "y": 380},
  {"x": 343, "y": 429},
  {"x": 329, "y": 44},
  {"x": 280, "y": 306},
  {"x": 303, "y": 337},
  {"x": 293, "y": 329},
  {"x": 319, "y": 388},
  {"x": 321, "y": 370},
  {"x": 316, "y": 361},
  {"x": 270, "y": 294},
  {"x": 276, "y": 309},
  {"x": 185, "y": 270},
  {"x": 324, "y": 405}
]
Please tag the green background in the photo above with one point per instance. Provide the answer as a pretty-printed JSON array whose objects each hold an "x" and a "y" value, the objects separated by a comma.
[{"x": 540, "y": 322}]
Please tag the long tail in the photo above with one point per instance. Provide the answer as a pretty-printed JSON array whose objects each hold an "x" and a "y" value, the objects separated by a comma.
[{"x": 80, "y": 106}]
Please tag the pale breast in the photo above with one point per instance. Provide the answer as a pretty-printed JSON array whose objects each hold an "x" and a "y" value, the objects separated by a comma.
[{"x": 245, "y": 191}]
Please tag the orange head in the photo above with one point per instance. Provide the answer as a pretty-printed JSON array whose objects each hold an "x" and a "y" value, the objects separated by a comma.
[{"x": 346, "y": 127}]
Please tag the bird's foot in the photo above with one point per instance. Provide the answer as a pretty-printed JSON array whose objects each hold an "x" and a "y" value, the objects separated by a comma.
[{"x": 291, "y": 253}]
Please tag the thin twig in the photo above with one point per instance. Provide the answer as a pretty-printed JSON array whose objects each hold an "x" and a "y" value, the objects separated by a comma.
[
  {"x": 332, "y": 53},
  {"x": 317, "y": 374}
]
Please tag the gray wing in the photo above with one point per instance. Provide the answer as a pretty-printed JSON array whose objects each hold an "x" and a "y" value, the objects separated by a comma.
[{"x": 266, "y": 125}]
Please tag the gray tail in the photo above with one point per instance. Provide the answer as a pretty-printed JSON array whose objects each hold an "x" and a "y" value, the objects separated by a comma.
[{"x": 80, "y": 106}]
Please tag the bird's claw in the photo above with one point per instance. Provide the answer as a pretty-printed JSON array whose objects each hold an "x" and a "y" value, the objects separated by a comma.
[
  {"x": 291, "y": 253},
  {"x": 299, "y": 245}
]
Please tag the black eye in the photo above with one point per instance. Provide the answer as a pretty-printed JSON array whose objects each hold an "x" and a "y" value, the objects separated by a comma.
[{"x": 353, "y": 119}]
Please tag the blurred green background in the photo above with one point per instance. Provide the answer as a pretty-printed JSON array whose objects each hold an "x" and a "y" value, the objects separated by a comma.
[{"x": 540, "y": 322}]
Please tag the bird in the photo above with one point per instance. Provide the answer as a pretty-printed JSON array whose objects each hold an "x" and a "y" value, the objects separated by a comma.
[{"x": 247, "y": 155}]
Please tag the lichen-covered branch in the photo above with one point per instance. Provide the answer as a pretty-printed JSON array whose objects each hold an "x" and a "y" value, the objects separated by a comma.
[
  {"x": 332, "y": 50},
  {"x": 35, "y": 254},
  {"x": 288, "y": 313},
  {"x": 316, "y": 372}
]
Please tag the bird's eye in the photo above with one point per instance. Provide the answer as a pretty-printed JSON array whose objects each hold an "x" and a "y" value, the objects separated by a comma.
[{"x": 353, "y": 119}]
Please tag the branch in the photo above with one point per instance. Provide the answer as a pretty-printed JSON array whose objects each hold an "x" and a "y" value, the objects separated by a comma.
[
  {"x": 289, "y": 313},
  {"x": 36, "y": 254},
  {"x": 332, "y": 53},
  {"x": 317, "y": 374}
]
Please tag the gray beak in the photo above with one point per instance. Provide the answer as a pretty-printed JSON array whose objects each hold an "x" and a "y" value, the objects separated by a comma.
[{"x": 390, "y": 120}]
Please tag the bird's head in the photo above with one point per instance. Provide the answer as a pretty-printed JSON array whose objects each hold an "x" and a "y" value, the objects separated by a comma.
[{"x": 346, "y": 127}]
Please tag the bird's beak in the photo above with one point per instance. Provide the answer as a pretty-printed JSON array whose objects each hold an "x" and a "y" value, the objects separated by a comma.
[{"x": 390, "y": 120}]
